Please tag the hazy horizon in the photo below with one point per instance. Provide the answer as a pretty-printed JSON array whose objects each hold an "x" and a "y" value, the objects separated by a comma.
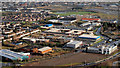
[{"x": 60, "y": 0}]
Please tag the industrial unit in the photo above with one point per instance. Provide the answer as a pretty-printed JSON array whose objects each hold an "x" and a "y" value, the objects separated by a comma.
[
  {"x": 45, "y": 50},
  {"x": 47, "y": 26},
  {"x": 104, "y": 49},
  {"x": 86, "y": 36},
  {"x": 35, "y": 39},
  {"x": 67, "y": 20},
  {"x": 74, "y": 44},
  {"x": 91, "y": 24},
  {"x": 13, "y": 55}
]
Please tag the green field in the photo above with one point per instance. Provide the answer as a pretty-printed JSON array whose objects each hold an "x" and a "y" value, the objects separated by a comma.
[{"x": 73, "y": 13}]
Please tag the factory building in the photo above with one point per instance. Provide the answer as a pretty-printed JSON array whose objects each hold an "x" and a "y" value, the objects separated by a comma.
[
  {"x": 47, "y": 26},
  {"x": 11, "y": 55},
  {"x": 91, "y": 24},
  {"x": 34, "y": 40},
  {"x": 75, "y": 32},
  {"x": 45, "y": 50},
  {"x": 67, "y": 20},
  {"x": 86, "y": 36},
  {"x": 53, "y": 21},
  {"x": 74, "y": 44},
  {"x": 103, "y": 49}
]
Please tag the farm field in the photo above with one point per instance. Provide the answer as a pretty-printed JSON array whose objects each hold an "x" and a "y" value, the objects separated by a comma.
[{"x": 72, "y": 13}]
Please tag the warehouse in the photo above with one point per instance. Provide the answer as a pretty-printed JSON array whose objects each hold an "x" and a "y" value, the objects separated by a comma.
[
  {"x": 75, "y": 32},
  {"x": 47, "y": 26},
  {"x": 12, "y": 55},
  {"x": 87, "y": 36},
  {"x": 67, "y": 20},
  {"x": 74, "y": 44},
  {"x": 90, "y": 24},
  {"x": 57, "y": 31},
  {"x": 85, "y": 24},
  {"x": 104, "y": 49},
  {"x": 45, "y": 50},
  {"x": 34, "y": 40},
  {"x": 53, "y": 21}
]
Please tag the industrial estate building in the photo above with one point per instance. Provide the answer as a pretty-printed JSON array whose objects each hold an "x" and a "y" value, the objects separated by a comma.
[
  {"x": 46, "y": 26},
  {"x": 91, "y": 24},
  {"x": 104, "y": 49},
  {"x": 74, "y": 44},
  {"x": 45, "y": 50},
  {"x": 11, "y": 55},
  {"x": 64, "y": 20},
  {"x": 89, "y": 36},
  {"x": 34, "y": 40}
]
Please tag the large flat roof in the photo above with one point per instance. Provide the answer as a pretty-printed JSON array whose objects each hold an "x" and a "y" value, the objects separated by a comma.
[
  {"x": 12, "y": 55},
  {"x": 89, "y": 36},
  {"x": 44, "y": 48},
  {"x": 74, "y": 42}
]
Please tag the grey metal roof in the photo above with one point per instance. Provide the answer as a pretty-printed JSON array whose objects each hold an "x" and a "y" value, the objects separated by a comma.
[
  {"x": 12, "y": 55},
  {"x": 8, "y": 56},
  {"x": 74, "y": 42}
]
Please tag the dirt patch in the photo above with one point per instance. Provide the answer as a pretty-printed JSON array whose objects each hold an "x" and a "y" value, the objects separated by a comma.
[{"x": 76, "y": 58}]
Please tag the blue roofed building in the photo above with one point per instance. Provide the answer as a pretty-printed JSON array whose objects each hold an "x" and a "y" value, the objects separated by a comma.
[
  {"x": 47, "y": 26},
  {"x": 86, "y": 36}
]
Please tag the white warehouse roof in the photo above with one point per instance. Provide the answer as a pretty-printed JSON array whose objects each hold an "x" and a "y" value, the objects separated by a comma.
[
  {"x": 44, "y": 48},
  {"x": 74, "y": 42},
  {"x": 89, "y": 36}
]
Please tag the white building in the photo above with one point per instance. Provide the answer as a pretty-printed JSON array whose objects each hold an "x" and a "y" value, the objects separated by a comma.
[
  {"x": 45, "y": 50},
  {"x": 34, "y": 40},
  {"x": 103, "y": 49},
  {"x": 54, "y": 21},
  {"x": 74, "y": 44},
  {"x": 67, "y": 21},
  {"x": 85, "y": 24},
  {"x": 75, "y": 32},
  {"x": 88, "y": 23}
]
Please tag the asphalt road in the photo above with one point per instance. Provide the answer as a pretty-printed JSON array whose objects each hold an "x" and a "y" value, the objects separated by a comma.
[{"x": 104, "y": 38}]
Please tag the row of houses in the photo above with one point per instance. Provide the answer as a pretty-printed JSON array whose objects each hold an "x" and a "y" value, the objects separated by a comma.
[
  {"x": 11, "y": 31},
  {"x": 28, "y": 16}
]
